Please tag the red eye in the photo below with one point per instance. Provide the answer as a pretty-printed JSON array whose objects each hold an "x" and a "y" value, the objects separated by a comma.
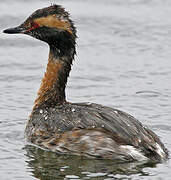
[{"x": 33, "y": 26}]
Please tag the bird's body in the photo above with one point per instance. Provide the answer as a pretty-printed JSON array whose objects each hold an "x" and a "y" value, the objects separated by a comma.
[
  {"x": 93, "y": 130},
  {"x": 86, "y": 129}
]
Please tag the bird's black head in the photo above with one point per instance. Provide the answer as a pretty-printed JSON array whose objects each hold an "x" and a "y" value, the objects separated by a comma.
[{"x": 52, "y": 25}]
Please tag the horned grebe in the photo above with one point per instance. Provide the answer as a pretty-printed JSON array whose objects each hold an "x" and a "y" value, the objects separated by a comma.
[{"x": 86, "y": 129}]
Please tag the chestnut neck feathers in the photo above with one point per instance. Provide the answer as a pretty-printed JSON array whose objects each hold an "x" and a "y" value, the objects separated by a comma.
[
  {"x": 52, "y": 88},
  {"x": 62, "y": 50}
]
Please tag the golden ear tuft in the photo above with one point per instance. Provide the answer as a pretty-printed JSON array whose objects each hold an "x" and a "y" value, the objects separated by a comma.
[{"x": 53, "y": 21}]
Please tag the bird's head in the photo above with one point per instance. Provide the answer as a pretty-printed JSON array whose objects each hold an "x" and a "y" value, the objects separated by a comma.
[{"x": 51, "y": 24}]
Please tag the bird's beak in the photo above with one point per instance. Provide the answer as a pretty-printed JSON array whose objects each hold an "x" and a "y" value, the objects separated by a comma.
[{"x": 15, "y": 30}]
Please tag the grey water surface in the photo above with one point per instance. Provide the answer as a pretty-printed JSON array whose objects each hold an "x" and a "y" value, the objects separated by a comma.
[{"x": 123, "y": 61}]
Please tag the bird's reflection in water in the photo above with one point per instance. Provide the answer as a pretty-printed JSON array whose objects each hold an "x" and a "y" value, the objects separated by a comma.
[{"x": 47, "y": 165}]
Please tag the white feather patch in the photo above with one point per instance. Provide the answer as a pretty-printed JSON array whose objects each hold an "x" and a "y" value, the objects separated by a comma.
[
  {"x": 135, "y": 153},
  {"x": 160, "y": 150}
]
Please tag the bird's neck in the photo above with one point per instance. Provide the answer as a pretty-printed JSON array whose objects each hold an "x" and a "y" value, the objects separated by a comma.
[{"x": 52, "y": 88}]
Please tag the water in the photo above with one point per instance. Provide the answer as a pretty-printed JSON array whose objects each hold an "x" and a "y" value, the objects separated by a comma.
[{"x": 123, "y": 61}]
